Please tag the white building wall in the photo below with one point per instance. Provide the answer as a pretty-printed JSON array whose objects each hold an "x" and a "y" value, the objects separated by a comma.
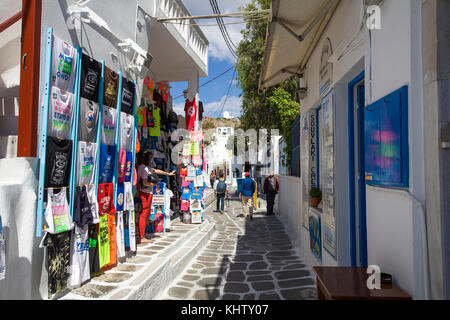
[{"x": 393, "y": 60}]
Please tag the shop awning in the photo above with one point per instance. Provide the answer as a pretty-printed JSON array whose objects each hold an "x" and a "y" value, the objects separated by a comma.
[{"x": 294, "y": 29}]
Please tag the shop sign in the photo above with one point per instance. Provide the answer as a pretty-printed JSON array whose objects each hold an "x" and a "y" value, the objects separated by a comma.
[{"x": 326, "y": 67}]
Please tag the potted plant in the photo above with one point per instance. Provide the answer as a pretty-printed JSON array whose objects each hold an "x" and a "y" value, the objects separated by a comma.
[{"x": 315, "y": 195}]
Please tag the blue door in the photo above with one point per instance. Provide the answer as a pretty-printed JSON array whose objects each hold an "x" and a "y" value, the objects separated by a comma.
[{"x": 357, "y": 182}]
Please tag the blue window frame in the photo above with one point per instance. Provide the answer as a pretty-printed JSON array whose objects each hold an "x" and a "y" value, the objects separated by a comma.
[{"x": 386, "y": 140}]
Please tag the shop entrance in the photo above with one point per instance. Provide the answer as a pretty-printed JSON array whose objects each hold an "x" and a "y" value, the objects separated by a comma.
[{"x": 357, "y": 183}]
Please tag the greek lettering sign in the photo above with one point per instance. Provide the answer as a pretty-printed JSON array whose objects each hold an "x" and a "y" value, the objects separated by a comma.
[
  {"x": 327, "y": 174},
  {"x": 326, "y": 68}
]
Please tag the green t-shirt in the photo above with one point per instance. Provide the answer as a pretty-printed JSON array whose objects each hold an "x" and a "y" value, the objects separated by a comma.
[
  {"x": 155, "y": 131},
  {"x": 103, "y": 241}
]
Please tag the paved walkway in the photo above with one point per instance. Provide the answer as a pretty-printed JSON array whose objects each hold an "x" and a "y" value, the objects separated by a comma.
[{"x": 245, "y": 259}]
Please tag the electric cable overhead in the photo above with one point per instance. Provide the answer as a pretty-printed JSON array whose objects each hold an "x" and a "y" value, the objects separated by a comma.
[
  {"x": 223, "y": 29},
  {"x": 211, "y": 80},
  {"x": 217, "y": 11},
  {"x": 227, "y": 94}
]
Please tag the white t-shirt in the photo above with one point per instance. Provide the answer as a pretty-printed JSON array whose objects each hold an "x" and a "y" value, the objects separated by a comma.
[
  {"x": 86, "y": 157},
  {"x": 60, "y": 117},
  {"x": 109, "y": 121},
  {"x": 79, "y": 256},
  {"x": 128, "y": 195},
  {"x": 120, "y": 234},
  {"x": 167, "y": 211},
  {"x": 143, "y": 173},
  {"x": 92, "y": 198},
  {"x": 64, "y": 62},
  {"x": 126, "y": 130}
]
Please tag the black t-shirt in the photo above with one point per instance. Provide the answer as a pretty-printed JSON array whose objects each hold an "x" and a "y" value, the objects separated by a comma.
[
  {"x": 200, "y": 111},
  {"x": 94, "y": 262},
  {"x": 91, "y": 71},
  {"x": 111, "y": 86},
  {"x": 58, "y": 162},
  {"x": 127, "y": 95}
]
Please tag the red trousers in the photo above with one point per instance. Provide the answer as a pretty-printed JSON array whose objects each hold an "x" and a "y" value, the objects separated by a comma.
[{"x": 146, "y": 200}]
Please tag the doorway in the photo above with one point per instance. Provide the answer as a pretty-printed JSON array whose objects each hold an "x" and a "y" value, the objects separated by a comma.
[{"x": 357, "y": 182}]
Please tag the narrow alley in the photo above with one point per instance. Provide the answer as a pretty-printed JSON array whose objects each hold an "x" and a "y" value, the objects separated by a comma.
[{"x": 244, "y": 260}]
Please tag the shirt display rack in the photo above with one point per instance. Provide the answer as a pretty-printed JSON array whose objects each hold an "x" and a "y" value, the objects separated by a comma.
[{"x": 42, "y": 142}]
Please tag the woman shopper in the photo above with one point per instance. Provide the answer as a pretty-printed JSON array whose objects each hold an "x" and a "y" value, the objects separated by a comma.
[{"x": 146, "y": 170}]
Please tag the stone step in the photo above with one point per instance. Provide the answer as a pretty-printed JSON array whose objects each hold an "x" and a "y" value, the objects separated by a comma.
[{"x": 152, "y": 269}]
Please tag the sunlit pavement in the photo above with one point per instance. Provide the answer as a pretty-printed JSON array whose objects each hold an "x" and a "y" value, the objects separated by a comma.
[{"x": 244, "y": 260}]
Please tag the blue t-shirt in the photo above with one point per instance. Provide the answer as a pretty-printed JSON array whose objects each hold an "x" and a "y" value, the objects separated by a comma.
[
  {"x": 107, "y": 157},
  {"x": 128, "y": 166},
  {"x": 186, "y": 195},
  {"x": 196, "y": 194},
  {"x": 120, "y": 196},
  {"x": 248, "y": 187}
]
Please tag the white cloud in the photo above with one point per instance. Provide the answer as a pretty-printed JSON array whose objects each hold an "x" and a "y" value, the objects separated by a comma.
[
  {"x": 217, "y": 46},
  {"x": 232, "y": 105},
  {"x": 212, "y": 109}
]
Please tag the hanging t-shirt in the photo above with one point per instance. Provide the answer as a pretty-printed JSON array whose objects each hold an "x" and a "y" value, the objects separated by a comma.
[
  {"x": 200, "y": 111},
  {"x": 120, "y": 197},
  {"x": 105, "y": 198},
  {"x": 190, "y": 109},
  {"x": 110, "y": 88},
  {"x": 60, "y": 117},
  {"x": 120, "y": 235},
  {"x": 197, "y": 160},
  {"x": 186, "y": 194},
  {"x": 82, "y": 214},
  {"x": 88, "y": 120},
  {"x": 93, "y": 249},
  {"x": 184, "y": 205},
  {"x": 126, "y": 130},
  {"x": 64, "y": 63},
  {"x": 132, "y": 226},
  {"x": 112, "y": 239},
  {"x": 196, "y": 194},
  {"x": 122, "y": 166},
  {"x": 79, "y": 256},
  {"x": 155, "y": 130},
  {"x": 92, "y": 198},
  {"x": 107, "y": 157},
  {"x": 91, "y": 71},
  {"x": 56, "y": 215},
  {"x": 128, "y": 166},
  {"x": 58, "y": 162},
  {"x": 103, "y": 242},
  {"x": 109, "y": 121},
  {"x": 126, "y": 231},
  {"x": 142, "y": 116},
  {"x": 127, "y": 96},
  {"x": 168, "y": 194},
  {"x": 86, "y": 159},
  {"x": 2, "y": 253},
  {"x": 58, "y": 261}
]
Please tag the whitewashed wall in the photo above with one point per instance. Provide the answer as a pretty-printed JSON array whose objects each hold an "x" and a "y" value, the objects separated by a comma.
[{"x": 390, "y": 60}]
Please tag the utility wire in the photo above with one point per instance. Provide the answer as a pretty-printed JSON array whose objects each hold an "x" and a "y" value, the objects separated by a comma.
[
  {"x": 228, "y": 92},
  {"x": 222, "y": 23},
  {"x": 203, "y": 84},
  {"x": 221, "y": 27}
]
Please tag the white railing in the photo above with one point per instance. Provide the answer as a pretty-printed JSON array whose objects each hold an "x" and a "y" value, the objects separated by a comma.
[{"x": 193, "y": 35}]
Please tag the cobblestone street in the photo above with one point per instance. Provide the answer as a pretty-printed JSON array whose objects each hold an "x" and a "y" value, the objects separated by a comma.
[{"x": 244, "y": 260}]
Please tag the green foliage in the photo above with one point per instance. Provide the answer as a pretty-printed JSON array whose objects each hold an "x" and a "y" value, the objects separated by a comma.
[
  {"x": 275, "y": 108},
  {"x": 315, "y": 193}
]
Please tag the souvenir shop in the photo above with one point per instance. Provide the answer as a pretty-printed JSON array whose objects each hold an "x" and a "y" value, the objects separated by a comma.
[
  {"x": 175, "y": 147},
  {"x": 92, "y": 138}
]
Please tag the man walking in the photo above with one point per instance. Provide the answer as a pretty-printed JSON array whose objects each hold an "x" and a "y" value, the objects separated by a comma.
[
  {"x": 220, "y": 190},
  {"x": 270, "y": 190},
  {"x": 212, "y": 178},
  {"x": 246, "y": 194}
]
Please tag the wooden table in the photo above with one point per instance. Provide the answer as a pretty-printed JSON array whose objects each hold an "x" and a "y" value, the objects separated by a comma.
[{"x": 349, "y": 283}]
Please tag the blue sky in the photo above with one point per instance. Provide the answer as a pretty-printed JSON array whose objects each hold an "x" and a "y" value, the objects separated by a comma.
[{"x": 220, "y": 59}]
